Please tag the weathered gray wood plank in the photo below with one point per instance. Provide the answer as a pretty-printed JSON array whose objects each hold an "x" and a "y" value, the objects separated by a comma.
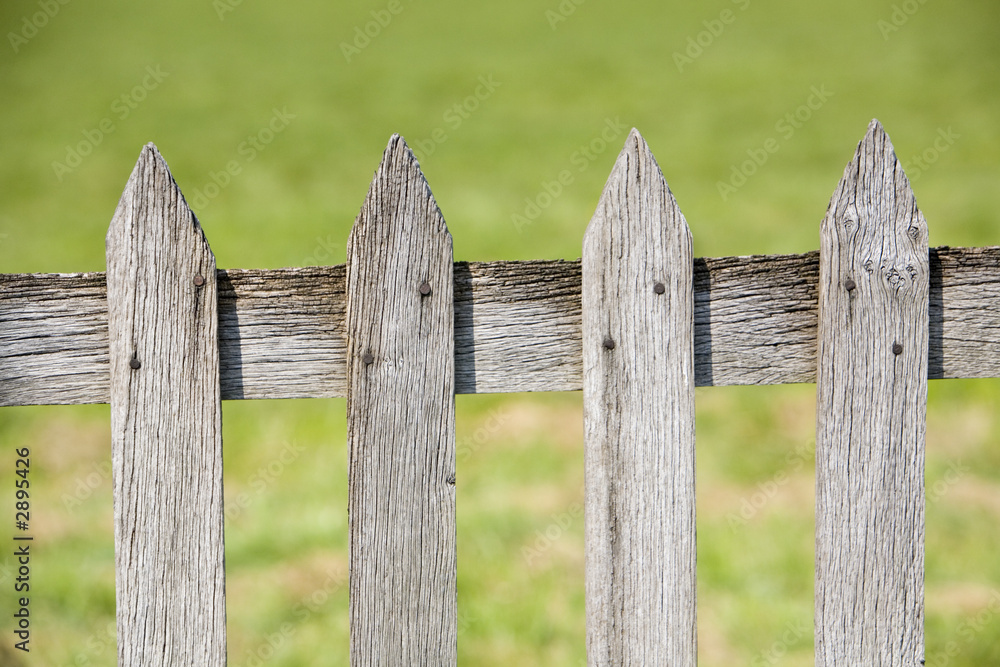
[
  {"x": 166, "y": 421},
  {"x": 517, "y": 327},
  {"x": 638, "y": 398},
  {"x": 871, "y": 416},
  {"x": 401, "y": 423}
]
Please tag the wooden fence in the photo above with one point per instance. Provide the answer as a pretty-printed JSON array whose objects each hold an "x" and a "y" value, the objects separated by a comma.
[{"x": 164, "y": 336}]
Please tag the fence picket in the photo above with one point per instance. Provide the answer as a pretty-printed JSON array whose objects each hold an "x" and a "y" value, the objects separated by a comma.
[
  {"x": 166, "y": 418},
  {"x": 871, "y": 412},
  {"x": 401, "y": 422},
  {"x": 638, "y": 390}
]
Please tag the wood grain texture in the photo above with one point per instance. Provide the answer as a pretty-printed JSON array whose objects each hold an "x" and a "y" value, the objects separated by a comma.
[
  {"x": 401, "y": 423},
  {"x": 517, "y": 327},
  {"x": 638, "y": 398},
  {"x": 282, "y": 333},
  {"x": 166, "y": 421},
  {"x": 871, "y": 416}
]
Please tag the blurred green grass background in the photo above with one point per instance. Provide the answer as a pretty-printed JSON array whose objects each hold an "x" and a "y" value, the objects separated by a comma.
[{"x": 227, "y": 66}]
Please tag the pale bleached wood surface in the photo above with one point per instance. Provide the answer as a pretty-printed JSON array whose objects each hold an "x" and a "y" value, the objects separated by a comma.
[
  {"x": 166, "y": 421},
  {"x": 401, "y": 423},
  {"x": 871, "y": 407},
  {"x": 638, "y": 401},
  {"x": 517, "y": 327}
]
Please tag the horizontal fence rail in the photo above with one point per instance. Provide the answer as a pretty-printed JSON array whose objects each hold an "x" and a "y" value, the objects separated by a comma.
[{"x": 517, "y": 327}]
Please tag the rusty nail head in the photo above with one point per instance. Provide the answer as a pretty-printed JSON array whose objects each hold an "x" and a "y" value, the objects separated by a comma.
[
  {"x": 850, "y": 284},
  {"x": 425, "y": 288},
  {"x": 368, "y": 358},
  {"x": 608, "y": 343},
  {"x": 199, "y": 280},
  {"x": 134, "y": 363},
  {"x": 897, "y": 349},
  {"x": 659, "y": 288}
]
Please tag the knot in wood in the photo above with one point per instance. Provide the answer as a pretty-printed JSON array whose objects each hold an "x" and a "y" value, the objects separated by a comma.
[
  {"x": 850, "y": 219},
  {"x": 895, "y": 278}
]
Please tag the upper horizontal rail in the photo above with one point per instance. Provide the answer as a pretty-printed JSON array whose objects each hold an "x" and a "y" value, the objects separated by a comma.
[{"x": 517, "y": 327}]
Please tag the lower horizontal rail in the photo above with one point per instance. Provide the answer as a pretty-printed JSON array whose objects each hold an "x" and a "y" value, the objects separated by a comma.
[{"x": 517, "y": 327}]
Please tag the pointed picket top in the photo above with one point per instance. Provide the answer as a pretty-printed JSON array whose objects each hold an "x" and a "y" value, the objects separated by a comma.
[
  {"x": 401, "y": 422},
  {"x": 871, "y": 415},
  {"x": 399, "y": 181},
  {"x": 636, "y": 171},
  {"x": 874, "y": 192},
  {"x": 151, "y": 183},
  {"x": 638, "y": 393},
  {"x": 166, "y": 426}
]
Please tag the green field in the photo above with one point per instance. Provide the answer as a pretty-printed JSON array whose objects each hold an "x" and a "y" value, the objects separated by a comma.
[{"x": 273, "y": 117}]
